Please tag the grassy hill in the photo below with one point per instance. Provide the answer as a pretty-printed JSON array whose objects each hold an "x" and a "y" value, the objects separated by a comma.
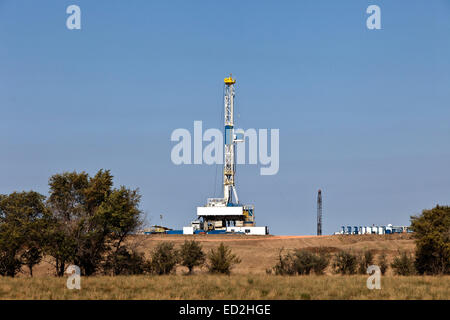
[{"x": 259, "y": 253}]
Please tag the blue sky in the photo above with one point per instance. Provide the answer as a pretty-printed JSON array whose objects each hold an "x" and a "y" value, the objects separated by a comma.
[{"x": 363, "y": 114}]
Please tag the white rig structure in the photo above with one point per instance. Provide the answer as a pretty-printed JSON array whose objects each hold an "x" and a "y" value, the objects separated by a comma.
[{"x": 227, "y": 215}]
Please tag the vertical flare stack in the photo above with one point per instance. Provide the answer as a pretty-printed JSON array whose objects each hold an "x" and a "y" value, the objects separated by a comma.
[{"x": 319, "y": 213}]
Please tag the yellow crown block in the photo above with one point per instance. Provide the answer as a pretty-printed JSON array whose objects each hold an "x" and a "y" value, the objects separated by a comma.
[{"x": 229, "y": 81}]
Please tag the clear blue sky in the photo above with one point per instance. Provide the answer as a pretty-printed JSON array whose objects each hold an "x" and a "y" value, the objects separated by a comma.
[{"x": 363, "y": 115}]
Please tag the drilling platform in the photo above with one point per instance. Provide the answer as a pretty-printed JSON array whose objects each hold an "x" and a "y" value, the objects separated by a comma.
[{"x": 227, "y": 214}]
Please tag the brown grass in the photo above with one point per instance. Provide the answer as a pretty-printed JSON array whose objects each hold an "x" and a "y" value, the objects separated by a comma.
[
  {"x": 227, "y": 287},
  {"x": 248, "y": 280}
]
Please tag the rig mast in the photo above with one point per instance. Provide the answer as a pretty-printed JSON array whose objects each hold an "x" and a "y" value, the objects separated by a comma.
[
  {"x": 319, "y": 213},
  {"x": 229, "y": 168}
]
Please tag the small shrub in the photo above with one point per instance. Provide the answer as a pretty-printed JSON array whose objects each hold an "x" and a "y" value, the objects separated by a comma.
[
  {"x": 304, "y": 261},
  {"x": 403, "y": 265},
  {"x": 305, "y": 296},
  {"x": 365, "y": 260},
  {"x": 264, "y": 292},
  {"x": 222, "y": 260},
  {"x": 382, "y": 263},
  {"x": 125, "y": 262},
  {"x": 191, "y": 255},
  {"x": 321, "y": 263},
  {"x": 285, "y": 264},
  {"x": 164, "y": 258},
  {"x": 345, "y": 263}
]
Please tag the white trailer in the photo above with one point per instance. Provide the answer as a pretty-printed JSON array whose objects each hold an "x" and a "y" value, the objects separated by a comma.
[
  {"x": 261, "y": 231},
  {"x": 220, "y": 211}
]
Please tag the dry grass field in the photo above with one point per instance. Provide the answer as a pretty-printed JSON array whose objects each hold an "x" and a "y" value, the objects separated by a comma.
[
  {"x": 248, "y": 280},
  {"x": 227, "y": 287}
]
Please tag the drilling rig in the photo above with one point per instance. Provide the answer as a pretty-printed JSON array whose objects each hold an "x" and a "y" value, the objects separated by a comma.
[{"x": 227, "y": 214}]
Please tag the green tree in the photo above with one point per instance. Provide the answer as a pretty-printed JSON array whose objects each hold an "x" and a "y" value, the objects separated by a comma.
[
  {"x": 191, "y": 255},
  {"x": 91, "y": 219},
  {"x": 23, "y": 216},
  {"x": 120, "y": 214},
  {"x": 67, "y": 206},
  {"x": 222, "y": 260},
  {"x": 164, "y": 258},
  {"x": 31, "y": 257},
  {"x": 60, "y": 244},
  {"x": 10, "y": 265},
  {"x": 432, "y": 233}
]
